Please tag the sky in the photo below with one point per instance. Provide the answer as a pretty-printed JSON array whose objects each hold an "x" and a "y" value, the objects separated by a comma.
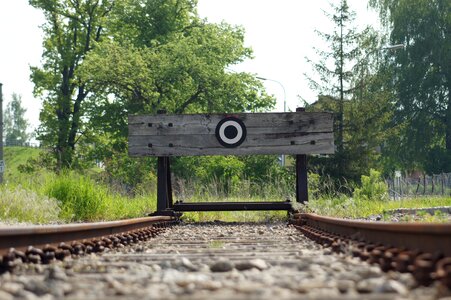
[{"x": 280, "y": 32}]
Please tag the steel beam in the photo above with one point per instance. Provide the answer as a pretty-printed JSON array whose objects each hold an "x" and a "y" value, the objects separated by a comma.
[{"x": 230, "y": 206}]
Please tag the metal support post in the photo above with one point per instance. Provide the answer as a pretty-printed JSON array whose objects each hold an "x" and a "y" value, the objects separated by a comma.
[
  {"x": 169, "y": 183},
  {"x": 164, "y": 185},
  {"x": 301, "y": 179},
  {"x": 164, "y": 189},
  {"x": 301, "y": 173}
]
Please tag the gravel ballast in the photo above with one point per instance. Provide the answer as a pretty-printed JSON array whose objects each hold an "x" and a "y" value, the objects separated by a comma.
[{"x": 215, "y": 261}]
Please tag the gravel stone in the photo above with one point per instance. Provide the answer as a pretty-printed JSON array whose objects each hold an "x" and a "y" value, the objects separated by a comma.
[
  {"x": 185, "y": 262},
  {"x": 381, "y": 285},
  {"x": 210, "y": 285},
  {"x": 55, "y": 273},
  {"x": 222, "y": 266},
  {"x": 31, "y": 296},
  {"x": 5, "y": 295},
  {"x": 37, "y": 286},
  {"x": 60, "y": 289},
  {"x": 214, "y": 261},
  {"x": 12, "y": 287},
  {"x": 257, "y": 263},
  {"x": 345, "y": 285},
  {"x": 392, "y": 286}
]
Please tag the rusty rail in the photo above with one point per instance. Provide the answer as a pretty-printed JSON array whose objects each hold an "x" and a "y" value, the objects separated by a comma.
[
  {"x": 419, "y": 248},
  {"x": 42, "y": 244}
]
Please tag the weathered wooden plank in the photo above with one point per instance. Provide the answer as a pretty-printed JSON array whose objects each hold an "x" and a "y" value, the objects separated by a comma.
[
  {"x": 321, "y": 147},
  {"x": 267, "y": 133},
  {"x": 258, "y": 123},
  {"x": 208, "y": 145},
  {"x": 210, "y": 141}
]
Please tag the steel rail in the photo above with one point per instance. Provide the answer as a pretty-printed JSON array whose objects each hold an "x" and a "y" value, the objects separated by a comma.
[
  {"x": 427, "y": 237},
  {"x": 421, "y": 248},
  {"x": 47, "y": 242}
]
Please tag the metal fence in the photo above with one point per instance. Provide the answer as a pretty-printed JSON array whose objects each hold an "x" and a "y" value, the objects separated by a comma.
[
  {"x": 21, "y": 144},
  {"x": 424, "y": 185}
]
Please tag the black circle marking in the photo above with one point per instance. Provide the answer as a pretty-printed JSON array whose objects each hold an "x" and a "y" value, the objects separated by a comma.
[{"x": 230, "y": 132}]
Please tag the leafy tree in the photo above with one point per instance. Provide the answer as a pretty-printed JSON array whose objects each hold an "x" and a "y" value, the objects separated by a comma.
[
  {"x": 184, "y": 72},
  {"x": 70, "y": 32},
  {"x": 103, "y": 62},
  {"x": 179, "y": 66},
  {"x": 421, "y": 80},
  {"x": 15, "y": 123}
]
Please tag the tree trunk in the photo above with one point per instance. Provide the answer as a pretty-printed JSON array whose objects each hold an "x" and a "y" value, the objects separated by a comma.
[
  {"x": 76, "y": 118},
  {"x": 63, "y": 112},
  {"x": 340, "y": 147},
  {"x": 448, "y": 120}
]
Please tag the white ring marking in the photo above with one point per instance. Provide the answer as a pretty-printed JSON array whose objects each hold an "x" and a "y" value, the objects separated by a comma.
[{"x": 238, "y": 135}]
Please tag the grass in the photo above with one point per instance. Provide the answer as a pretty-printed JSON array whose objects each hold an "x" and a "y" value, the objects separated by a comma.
[
  {"x": 370, "y": 198},
  {"x": 44, "y": 197},
  {"x": 216, "y": 244},
  {"x": 69, "y": 198},
  {"x": 83, "y": 199},
  {"x": 15, "y": 157},
  {"x": 346, "y": 207},
  {"x": 233, "y": 216},
  {"x": 244, "y": 191},
  {"x": 21, "y": 205}
]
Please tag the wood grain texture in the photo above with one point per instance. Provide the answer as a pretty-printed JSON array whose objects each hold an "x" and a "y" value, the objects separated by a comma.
[{"x": 267, "y": 133}]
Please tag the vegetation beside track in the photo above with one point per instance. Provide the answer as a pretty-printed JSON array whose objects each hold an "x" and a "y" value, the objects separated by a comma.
[
  {"x": 41, "y": 196},
  {"x": 348, "y": 207},
  {"x": 69, "y": 198},
  {"x": 370, "y": 198}
]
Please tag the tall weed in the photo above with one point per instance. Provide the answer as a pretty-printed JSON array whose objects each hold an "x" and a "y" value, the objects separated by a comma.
[
  {"x": 21, "y": 205},
  {"x": 80, "y": 198},
  {"x": 83, "y": 199}
]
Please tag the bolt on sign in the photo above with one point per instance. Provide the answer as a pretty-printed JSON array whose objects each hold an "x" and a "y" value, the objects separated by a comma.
[{"x": 231, "y": 134}]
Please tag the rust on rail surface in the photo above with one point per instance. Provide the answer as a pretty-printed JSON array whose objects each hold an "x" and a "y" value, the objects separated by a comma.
[
  {"x": 427, "y": 237},
  {"x": 42, "y": 244},
  {"x": 20, "y": 237},
  {"x": 424, "y": 249}
]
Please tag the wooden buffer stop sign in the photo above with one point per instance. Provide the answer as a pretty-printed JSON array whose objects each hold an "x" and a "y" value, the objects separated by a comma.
[{"x": 298, "y": 133}]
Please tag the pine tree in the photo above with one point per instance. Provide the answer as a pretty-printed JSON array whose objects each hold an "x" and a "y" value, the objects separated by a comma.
[{"x": 335, "y": 77}]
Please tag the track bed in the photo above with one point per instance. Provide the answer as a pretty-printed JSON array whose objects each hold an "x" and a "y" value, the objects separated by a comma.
[{"x": 214, "y": 261}]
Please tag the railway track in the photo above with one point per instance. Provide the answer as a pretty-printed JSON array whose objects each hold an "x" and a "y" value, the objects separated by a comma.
[
  {"x": 419, "y": 248},
  {"x": 143, "y": 256},
  {"x": 44, "y": 244}
]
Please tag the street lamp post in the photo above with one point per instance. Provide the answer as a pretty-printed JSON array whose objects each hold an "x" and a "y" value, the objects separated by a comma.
[
  {"x": 284, "y": 105},
  {"x": 394, "y": 47},
  {"x": 283, "y": 88},
  {"x": 380, "y": 49},
  {"x": 385, "y": 48}
]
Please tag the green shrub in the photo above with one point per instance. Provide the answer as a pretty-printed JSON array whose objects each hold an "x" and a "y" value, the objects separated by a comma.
[
  {"x": 81, "y": 199},
  {"x": 373, "y": 188}
]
